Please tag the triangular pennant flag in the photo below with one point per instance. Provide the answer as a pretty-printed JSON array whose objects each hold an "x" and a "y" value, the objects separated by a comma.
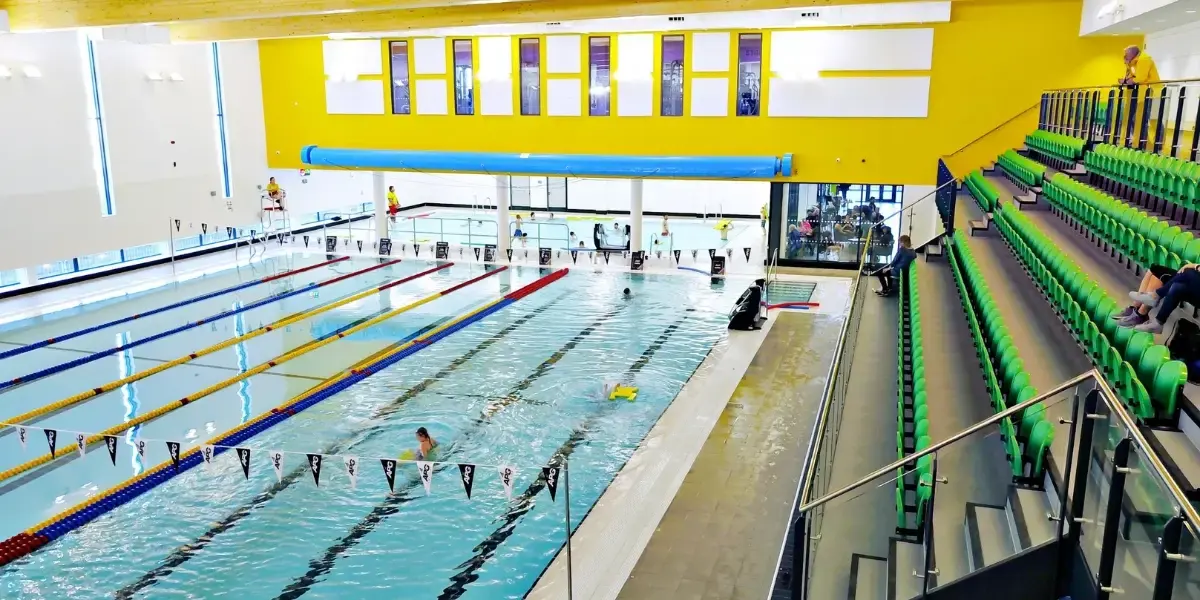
[
  {"x": 677, "y": 255},
  {"x": 360, "y": 245},
  {"x": 141, "y": 448},
  {"x": 314, "y": 464},
  {"x": 177, "y": 224},
  {"x": 352, "y": 470},
  {"x": 425, "y": 470},
  {"x": 658, "y": 254},
  {"x": 81, "y": 444},
  {"x": 111, "y": 442},
  {"x": 507, "y": 475},
  {"x": 693, "y": 254},
  {"x": 606, "y": 257},
  {"x": 208, "y": 452},
  {"x": 551, "y": 475},
  {"x": 729, "y": 252},
  {"x": 389, "y": 471},
  {"x": 23, "y": 435},
  {"x": 746, "y": 251},
  {"x": 306, "y": 241},
  {"x": 204, "y": 228},
  {"x": 526, "y": 254},
  {"x": 416, "y": 250},
  {"x": 477, "y": 253},
  {"x": 229, "y": 232},
  {"x": 173, "y": 450},
  {"x": 712, "y": 252},
  {"x": 277, "y": 463},
  {"x": 244, "y": 458},
  {"x": 52, "y": 439},
  {"x": 574, "y": 256},
  {"x": 509, "y": 252},
  {"x": 467, "y": 473}
]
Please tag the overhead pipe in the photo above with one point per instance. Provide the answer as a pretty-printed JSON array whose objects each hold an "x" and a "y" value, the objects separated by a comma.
[{"x": 566, "y": 165}]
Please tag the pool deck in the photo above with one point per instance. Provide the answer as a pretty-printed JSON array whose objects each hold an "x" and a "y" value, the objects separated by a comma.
[{"x": 701, "y": 508}]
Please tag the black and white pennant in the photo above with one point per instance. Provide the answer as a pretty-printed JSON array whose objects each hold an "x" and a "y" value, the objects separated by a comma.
[
  {"x": 173, "y": 450},
  {"x": 52, "y": 439},
  {"x": 208, "y": 452},
  {"x": 81, "y": 444},
  {"x": 314, "y": 465},
  {"x": 110, "y": 442},
  {"x": 141, "y": 448},
  {"x": 352, "y": 470},
  {"x": 23, "y": 435},
  {"x": 551, "y": 475},
  {"x": 244, "y": 458},
  {"x": 467, "y": 473},
  {"x": 277, "y": 464},
  {"x": 507, "y": 475},
  {"x": 509, "y": 252},
  {"x": 477, "y": 253},
  {"x": 746, "y": 251},
  {"x": 389, "y": 471},
  {"x": 606, "y": 257},
  {"x": 425, "y": 470}
]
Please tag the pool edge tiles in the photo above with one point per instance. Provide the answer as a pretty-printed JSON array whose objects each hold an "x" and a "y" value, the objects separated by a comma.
[
  {"x": 612, "y": 536},
  {"x": 79, "y": 515}
]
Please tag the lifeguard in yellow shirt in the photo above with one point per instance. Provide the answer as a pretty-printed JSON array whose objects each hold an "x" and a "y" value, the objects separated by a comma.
[
  {"x": 1139, "y": 67},
  {"x": 393, "y": 202}
]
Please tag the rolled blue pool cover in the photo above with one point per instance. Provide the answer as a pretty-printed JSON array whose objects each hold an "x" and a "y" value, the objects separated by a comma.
[{"x": 566, "y": 165}]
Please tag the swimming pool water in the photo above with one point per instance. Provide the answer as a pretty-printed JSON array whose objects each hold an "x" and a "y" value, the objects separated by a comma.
[{"x": 517, "y": 388}]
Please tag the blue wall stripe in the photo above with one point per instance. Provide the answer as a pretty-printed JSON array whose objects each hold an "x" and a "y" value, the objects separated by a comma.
[
  {"x": 216, "y": 51},
  {"x": 103, "y": 142}
]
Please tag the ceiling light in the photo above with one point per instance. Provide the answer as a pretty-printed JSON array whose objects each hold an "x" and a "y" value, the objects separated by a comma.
[
  {"x": 176, "y": 77},
  {"x": 5, "y": 72},
  {"x": 31, "y": 71},
  {"x": 1190, "y": 12},
  {"x": 153, "y": 76},
  {"x": 1137, "y": 28}
]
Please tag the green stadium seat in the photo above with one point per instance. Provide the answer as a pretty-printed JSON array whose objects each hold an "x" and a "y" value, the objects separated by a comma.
[
  {"x": 1062, "y": 147},
  {"x": 1025, "y": 172}
]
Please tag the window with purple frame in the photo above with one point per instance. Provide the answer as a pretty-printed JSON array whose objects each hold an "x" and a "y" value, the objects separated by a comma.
[
  {"x": 599, "y": 49},
  {"x": 672, "y": 76},
  {"x": 749, "y": 74},
  {"x": 400, "y": 98},
  {"x": 531, "y": 76},
  {"x": 464, "y": 78}
]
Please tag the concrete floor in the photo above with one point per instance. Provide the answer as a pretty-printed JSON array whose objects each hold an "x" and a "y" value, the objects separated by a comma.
[{"x": 720, "y": 538}]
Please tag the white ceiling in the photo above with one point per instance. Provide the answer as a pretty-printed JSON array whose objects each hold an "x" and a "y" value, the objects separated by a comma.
[{"x": 1157, "y": 18}]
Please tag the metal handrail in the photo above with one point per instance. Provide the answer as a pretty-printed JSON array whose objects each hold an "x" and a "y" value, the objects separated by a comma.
[
  {"x": 1113, "y": 85},
  {"x": 994, "y": 129}
]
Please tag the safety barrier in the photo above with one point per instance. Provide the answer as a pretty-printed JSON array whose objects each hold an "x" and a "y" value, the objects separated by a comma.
[
  {"x": 49, "y": 409},
  {"x": 79, "y": 515},
  {"x": 83, "y": 360},
  {"x": 162, "y": 309},
  {"x": 301, "y": 350}
]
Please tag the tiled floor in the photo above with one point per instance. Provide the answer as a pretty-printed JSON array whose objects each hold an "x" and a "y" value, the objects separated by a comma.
[{"x": 721, "y": 536}]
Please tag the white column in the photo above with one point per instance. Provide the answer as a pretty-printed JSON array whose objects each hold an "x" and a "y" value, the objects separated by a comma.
[
  {"x": 502, "y": 232},
  {"x": 379, "y": 194},
  {"x": 635, "y": 215}
]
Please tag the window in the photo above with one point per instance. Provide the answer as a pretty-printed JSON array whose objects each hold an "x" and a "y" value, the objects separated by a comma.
[
  {"x": 464, "y": 78},
  {"x": 401, "y": 105},
  {"x": 749, "y": 74},
  {"x": 672, "y": 76},
  {"x": 8, "y": 278},
  {"x": 598, "y": 76},
  {"x": 55, "y": 269},
  {"x": 95, "y": 114},
  {"x": 95, "y": 261},
  {"x": 222, "y": 145},
  {"x": 531, "y": 76},
  {"x": 144, "y": 251}
]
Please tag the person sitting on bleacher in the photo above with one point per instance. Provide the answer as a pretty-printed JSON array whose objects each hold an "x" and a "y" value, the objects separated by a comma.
[
  {"x": 1138, "y": 313},
  {"x": 904, "y": 257},
  {"x": 1184, "y": 286}
]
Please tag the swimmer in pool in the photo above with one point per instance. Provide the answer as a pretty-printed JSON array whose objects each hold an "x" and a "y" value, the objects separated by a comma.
[
  {"x": 626, "y": 294},
  {"x": 426, "y": 444}
]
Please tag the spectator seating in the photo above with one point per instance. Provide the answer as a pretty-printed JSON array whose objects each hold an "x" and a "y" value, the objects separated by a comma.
[
  {"x": 912, "y": 426},
  {"x": 1007, "y": 381},
  {"x": 1172, "y": 179},
  {"x": 985, "y": 194},
  {"x": 1129, "y": 359},
  {"x": 1023, "y": 171},
  {"x": 1063, "y": 147}
]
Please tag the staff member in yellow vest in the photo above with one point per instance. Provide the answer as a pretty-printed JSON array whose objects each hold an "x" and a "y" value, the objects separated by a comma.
[
  {"x": 1139, "y": 67},
  {"x": 275, "y": 193},
  {"x": 1141, "y": 72},
  {"x": 393, "y": 202}
]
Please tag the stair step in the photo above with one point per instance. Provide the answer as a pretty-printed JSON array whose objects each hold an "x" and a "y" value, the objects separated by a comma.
[
  {"x": 987, "y": 534},
  {"x": 868, "y": 577},
  {"x": 1180, "y": 456},
  {"x": 1029, "y": 513},
  {"x": 906, "y": 560}
]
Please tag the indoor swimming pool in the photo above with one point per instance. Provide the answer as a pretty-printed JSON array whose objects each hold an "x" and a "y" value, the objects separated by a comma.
[{"x": 506, "y": 368}]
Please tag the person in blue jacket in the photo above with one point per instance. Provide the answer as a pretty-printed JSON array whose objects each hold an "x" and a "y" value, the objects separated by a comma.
[{"x": 904, "y": 257}]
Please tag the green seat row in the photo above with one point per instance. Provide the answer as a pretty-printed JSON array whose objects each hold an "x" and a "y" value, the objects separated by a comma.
[
  {"x": 1004, "y": 372},
  {"x": 1173, "y": 179},
  {"x": 984, "y": 192},
  {"x": 911, "y": 353},
  {"x": 1144, "y": 238},
  {"x": 1146, "y": 378},
  {"x": 1060, "y": 146},
  {"x": 1024, "y": 170}
]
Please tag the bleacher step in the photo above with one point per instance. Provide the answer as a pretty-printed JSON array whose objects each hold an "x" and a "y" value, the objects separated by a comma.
[
  {"x": 1180, "y": 456},
  {"x": 987, "y": 533},
  {"x": 906, "y": 562},
  {"x": 868, "y": 577},
  {"x": 1029, "y": 512}
]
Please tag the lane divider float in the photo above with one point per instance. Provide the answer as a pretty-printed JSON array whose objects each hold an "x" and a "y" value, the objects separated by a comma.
[
  {"x": 241, "y": 286},
  {"x": 88, "y": 358},
  {"x": 37, "y": 414},
  {"x": 794, "y": 305},
  {"x": 36, "y": 537},
  {"x": 301, "y": 350}
]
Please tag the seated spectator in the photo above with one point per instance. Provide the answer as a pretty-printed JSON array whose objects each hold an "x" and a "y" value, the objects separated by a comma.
[
  {"x": 1184, "y": 286},
  {"x": 904, "y": 257},
  {"x": 1138, "y": 313}
]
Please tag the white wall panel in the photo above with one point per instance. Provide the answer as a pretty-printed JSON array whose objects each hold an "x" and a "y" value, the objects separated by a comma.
[
  {"x": 352, "y": 57},
  {"x": 564, "y": 97},
  {"x": 563, "y": 54},
  {"x": 851, "y": 50},
  {"x": 245, "y": 130},
  {"x": 635, "y": 69},
  {"x": 496, "y": 97},
  {"x": 322, "y": 189},
  {"x": 495, "y": 65},
  {"x": 429, "y": 56},
  {"x": 635, "y": 98},
  {"x": 444, "y": 188},
  {"x": 710, "y": 52},
  {"x": 689, "y": 196},
  {"x": 430, "y": 96},
  {"x": 1176, "y": 52},
  {"x": 360, "y": 97},
  {"x": 849, "y": 97},
  {"x": 710, "y": 96}
]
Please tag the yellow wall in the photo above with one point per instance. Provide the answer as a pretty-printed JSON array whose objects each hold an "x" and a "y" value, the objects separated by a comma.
[{"x": 990, "y": 63}]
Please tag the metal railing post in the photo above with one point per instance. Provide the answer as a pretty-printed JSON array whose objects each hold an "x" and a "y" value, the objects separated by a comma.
[
  {"x": 1143, "y": 134},
  {"x": 1069, "y": 523},
  {"x": 1108, "y": 115},
  {"x": 1179, "y": 102},
  {"x": 1131, "y": 118},
  {"x": 1158, "y": 128},
  {"x": 171, "y": 242},
  {"x": 567, "y": 503},
  {"x": 1168, "y": 557},
  {"x": 1112, "y": 519},
  {"x": 1118, "y": 122}
]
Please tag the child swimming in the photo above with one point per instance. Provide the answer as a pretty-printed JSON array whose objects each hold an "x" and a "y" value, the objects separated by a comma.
[{"x": 426, "y": 444}]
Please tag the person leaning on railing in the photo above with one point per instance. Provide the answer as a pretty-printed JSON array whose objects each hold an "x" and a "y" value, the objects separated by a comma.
[{"x": 1139, "y": 67}]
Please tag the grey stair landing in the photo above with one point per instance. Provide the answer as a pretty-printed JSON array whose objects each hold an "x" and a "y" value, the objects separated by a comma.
[
  {"x": 1029, "y": 513},
  {"x": 1179, "y": 454},
  {"x": 906, "y": 561},
  {"x": 868, "y": 577},
  {"x": 987, "y": 535}
]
